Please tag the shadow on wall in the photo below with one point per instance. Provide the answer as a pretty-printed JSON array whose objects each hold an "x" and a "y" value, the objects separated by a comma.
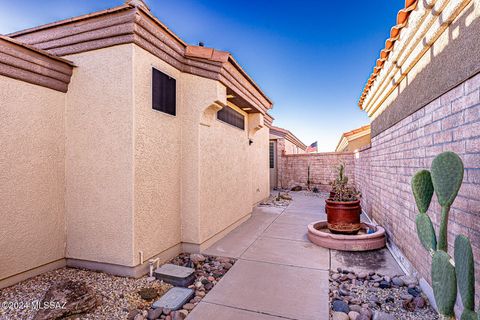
[{"x": 451, "y": 62}]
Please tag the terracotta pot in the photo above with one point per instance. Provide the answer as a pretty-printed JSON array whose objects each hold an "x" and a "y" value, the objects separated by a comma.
[
  {"x": 332, "y": 194},
  {"x": 343, "y": 217}
]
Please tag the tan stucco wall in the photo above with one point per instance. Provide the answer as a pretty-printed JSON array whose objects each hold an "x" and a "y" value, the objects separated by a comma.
[
  {"x": 260, "y": 165},
  {"x": 157, "y": 161},
  {"x": 231, "y": 172},
  {"x": 225, "y": 193},
  {"x": 99, "y": 156},
  {"x": 116, "y": 177},
  {"x": 32, "y": 180}
]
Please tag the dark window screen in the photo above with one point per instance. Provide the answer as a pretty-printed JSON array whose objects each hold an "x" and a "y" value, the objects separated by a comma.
[
  {"x": 272, "y": 155},
  {"x": 232, "y": 117},
  {"x": 163, "y": 92}
]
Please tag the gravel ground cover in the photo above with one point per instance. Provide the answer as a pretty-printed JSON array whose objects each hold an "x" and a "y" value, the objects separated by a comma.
[
  {"x": 118, "y": 297},
  {"x": 365, "y": 296}
]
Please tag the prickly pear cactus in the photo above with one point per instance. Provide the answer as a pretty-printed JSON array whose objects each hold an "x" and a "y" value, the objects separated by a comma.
[
  {"x": 422, "y": 187},
  {"x": 426, "y": 232},
  {"x": 444, "y": 283},
  {"x": 464, "y": 268},
  {"x": 469, "y": 315},
  {"x": 447, "y": 177}
]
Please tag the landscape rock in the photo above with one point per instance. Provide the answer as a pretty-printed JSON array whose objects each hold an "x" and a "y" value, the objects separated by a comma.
[
  {"x": 340, "y": 316},
  {"x": 197, "y": 258},
  {"x": 340, "y": 306},
  {"x": 154, "y": 313},
  {"x": 72, "y": 297}
]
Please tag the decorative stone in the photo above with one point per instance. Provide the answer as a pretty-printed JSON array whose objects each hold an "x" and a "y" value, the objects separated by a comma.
[
  {"x": 340, "y": 316},
  {"x": 414, "y": 292},
  {"x": 175, "y": 275},
  {"x": 353, "y": 315},
  {"x": 398, "y": 282},
  {"x": 197, "y": 257},
  {"x": 409, "y": 280},
  {"x": 340, "y": 306},
  {"x": 71, "y": 297},
  {"x": 154, "y": 313},
  {"x": 384, "y": 284},
  {"x": 419, "y": 302},
  {"x": 174, "y": 299}
]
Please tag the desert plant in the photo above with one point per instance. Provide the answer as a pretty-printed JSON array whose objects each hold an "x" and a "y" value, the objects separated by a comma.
[
  {"x": 340, "y": 188},
  {"x": 445, "y": 179}
]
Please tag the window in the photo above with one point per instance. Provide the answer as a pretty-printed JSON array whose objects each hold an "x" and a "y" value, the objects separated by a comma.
[
  {"x": 164, "y": 92},
  {"x": 272, "y": 155},
  {"x": 230, "y": 116}
]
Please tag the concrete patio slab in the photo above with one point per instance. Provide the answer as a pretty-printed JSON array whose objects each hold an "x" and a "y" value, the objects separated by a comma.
[
  {"x": 299, "y": 219},
  {"x": 288, "y": 252},
  {"x": 380, "y": 261},
  {"x": 278, "y": 290},
  {"x": 206, "y": 311},
  {"x": 286, "y": 231},
  {"x": 237, "y": 241}
]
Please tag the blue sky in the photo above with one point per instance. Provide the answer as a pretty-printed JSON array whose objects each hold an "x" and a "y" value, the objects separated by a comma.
[{"x": 311, "y": 58}]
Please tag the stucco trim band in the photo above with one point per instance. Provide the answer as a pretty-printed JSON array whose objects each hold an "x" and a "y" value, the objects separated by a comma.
[
  {"x": 129, "y": 24},
  {"x": 126, "y": 271},
  {"x": 24, "y": 275},
  {"x": 24, "y": 63}
]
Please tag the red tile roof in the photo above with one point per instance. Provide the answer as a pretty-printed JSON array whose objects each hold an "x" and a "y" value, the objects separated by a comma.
[
  {"x": 355, "y": 131},
  {"x": 402, "y": 20}
]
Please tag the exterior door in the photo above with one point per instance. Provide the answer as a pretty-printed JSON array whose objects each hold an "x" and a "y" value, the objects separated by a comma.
[{"x": 273, "y": 164}]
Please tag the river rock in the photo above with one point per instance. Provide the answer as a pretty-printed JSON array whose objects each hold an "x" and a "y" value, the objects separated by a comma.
[
  {"x": 340, "y": 306},
  {"x": 340, "y": 316}
]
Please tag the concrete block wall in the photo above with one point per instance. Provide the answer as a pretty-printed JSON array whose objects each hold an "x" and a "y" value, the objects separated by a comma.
[
  {"x": 293, "y": 169},
  {"x": 384, "y": 170}
]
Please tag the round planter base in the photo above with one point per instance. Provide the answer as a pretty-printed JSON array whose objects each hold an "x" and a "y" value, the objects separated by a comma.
[{"x": 319, "y": 234}]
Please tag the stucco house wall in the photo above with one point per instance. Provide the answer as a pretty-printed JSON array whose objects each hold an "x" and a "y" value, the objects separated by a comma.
[
  {"x": 126, "y": 183},
  {"x": 32, "y": 179},
  {"x": 99, "y": 159},
  {"x": 259, "y": 165},
  {"x": 157, "y": 158}
]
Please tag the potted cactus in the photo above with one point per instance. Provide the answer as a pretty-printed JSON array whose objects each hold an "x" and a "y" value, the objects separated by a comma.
[
  {"x": 445, "y": 179},
  {"x": 343, "y": 206}
]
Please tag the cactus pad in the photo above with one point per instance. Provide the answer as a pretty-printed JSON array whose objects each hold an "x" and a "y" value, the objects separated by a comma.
[
  {"x": 447, "y": 176},
  {"x": 464, "y": 268},
  {"x": 426, "y": 232},
  {"x": 469, "y": 315},
  {"x": 444, "y": 283},
  {"x": 422, "y": 189}
]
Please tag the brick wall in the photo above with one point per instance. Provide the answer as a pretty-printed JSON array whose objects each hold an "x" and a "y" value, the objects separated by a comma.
[
  {"x": 293, "y": 169},
  {"x": 383, "y": 171}
]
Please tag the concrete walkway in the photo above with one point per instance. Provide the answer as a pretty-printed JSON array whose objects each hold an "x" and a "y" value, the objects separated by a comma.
[{"x": 279, "y": 273}]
